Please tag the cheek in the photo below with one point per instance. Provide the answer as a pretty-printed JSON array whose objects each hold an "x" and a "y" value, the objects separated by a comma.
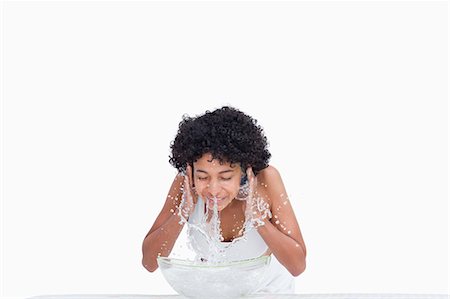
[
  {"x": 232, "y": 188},
  {"x": 200, "y": 187}
]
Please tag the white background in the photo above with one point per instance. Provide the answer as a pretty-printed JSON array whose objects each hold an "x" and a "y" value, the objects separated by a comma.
[{"x": 352, "y": 97}]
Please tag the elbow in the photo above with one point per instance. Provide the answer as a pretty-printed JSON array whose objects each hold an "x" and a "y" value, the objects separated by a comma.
[
  {"x": 151, "y": 267},
  {"x": 300, "y": 266},
  {"x": 148, "y": 260},
  {"x": 298, "y": 269}
]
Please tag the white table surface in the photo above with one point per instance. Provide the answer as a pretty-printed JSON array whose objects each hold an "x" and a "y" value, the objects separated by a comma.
[{"x": 271, "y": 296}]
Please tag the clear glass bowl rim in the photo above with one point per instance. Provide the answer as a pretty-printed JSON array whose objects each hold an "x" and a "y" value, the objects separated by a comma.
[{"x": 191, "y": 264}]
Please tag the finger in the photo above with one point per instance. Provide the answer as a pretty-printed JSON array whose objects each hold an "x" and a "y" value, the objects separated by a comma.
[
  {"x": 251, "y": 178},
  {"x": 186, "y": 188},
  {"x": 251, "y": 185},
  {"x": 189, "y": 175},
  {"x": 250, "y": 174},
  {"x": 191, "y": 182}
]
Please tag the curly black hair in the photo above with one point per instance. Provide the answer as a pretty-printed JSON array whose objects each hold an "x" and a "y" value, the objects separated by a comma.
[{"x": 227, "y": 133}]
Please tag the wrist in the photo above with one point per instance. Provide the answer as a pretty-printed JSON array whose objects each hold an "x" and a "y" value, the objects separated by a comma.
[{"x": 264, "y": 223}]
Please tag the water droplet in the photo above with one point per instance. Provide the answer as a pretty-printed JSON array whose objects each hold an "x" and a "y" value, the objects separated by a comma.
[
  {"x": 289, "y": 232},
  {"x": 171, "y": 210},
  {"x": 277, "y": 222}
]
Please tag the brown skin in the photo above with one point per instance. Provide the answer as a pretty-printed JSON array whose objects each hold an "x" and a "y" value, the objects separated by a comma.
[{"x": 212, "y": 179}]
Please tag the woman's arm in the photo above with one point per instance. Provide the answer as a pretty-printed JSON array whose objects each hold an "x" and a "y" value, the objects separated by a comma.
[
  {"x": 167, "y": 227},
  {"x": 281, "y": 233}
]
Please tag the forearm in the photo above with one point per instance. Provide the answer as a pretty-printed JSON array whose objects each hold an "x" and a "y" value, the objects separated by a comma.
[
  {"x": 289, "y": 253},
  {"x": 160, "y": 242}
]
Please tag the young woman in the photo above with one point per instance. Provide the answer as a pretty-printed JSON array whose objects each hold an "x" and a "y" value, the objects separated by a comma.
[{"x": 222, "y": 158}]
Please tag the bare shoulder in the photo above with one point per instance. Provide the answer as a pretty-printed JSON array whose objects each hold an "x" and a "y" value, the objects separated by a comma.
[
  {"x": 171, "y": 203},
  {"x": 176, "y": 189},
  {"x": 270, "y": 185},
  {"x": 269, "y": 174}
]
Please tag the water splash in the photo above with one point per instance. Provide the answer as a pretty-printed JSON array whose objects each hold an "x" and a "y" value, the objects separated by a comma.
[{"x": 209, "y": 227}]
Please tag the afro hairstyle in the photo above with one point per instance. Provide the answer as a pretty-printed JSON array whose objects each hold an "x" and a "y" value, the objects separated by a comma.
[{"x": 228, "y": 134}]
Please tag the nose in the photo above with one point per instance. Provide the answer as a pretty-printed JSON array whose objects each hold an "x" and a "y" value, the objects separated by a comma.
[{"x": 214, "y": 188}]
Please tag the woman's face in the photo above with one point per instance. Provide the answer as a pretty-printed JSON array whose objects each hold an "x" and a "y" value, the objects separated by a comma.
[{"x": 215, "y": 180}]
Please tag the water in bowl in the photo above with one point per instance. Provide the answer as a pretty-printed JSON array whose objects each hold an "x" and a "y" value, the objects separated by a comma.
[{"x": 226, "y": 280}]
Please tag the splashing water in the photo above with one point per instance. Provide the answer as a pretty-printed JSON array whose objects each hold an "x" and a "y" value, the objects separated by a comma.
[
  {"x": 209, "y": 228},
  {"x": 256, "y": 210},
  {"x": 211, "y": 273}
]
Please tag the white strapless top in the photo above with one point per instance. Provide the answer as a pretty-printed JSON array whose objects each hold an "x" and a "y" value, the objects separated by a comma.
[{"x": 250, "y": 245}]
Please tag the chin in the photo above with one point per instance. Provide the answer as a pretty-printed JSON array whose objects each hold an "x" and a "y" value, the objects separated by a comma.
[
  {"x": 220, "y": 205},
  {"x": 219, "y": 208}
]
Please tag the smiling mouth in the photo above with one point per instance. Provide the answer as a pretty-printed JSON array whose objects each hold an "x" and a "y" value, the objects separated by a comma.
[{"x": 218, "y": 199}]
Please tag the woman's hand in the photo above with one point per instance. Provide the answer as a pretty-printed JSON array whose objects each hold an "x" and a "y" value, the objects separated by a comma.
[
  {"x": 257, "y": 209},
  {"x": 189, "y": 198}
]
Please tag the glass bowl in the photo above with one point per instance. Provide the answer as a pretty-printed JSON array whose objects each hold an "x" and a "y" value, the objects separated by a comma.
[{"x": 224, "y": 280}]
